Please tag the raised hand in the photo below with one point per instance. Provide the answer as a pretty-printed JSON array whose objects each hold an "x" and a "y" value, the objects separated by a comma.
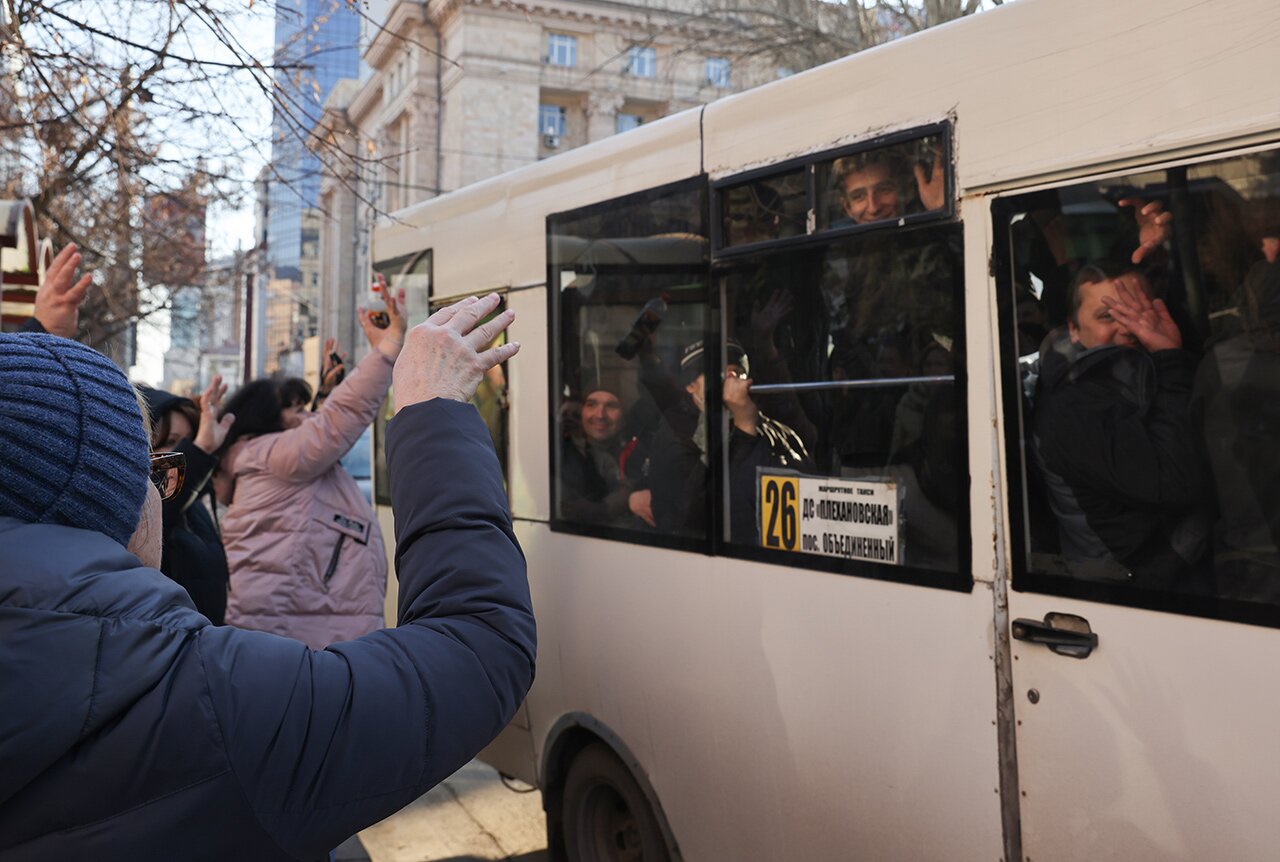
[
  {"x": 331, "y": 371},
  {"x": 1147, "y": 319},
  {"x": 767, "y": 314},
  {"x": 213, "y": 431},
  {"x": 447, "y": 356},
  {"x": 59, "y": 296},
  {"x": 389, "y": 340},
  {"x": 766, "y": 317},
  {"x": 932, "y": 185},
  {"x": 1155, "y": 226}
]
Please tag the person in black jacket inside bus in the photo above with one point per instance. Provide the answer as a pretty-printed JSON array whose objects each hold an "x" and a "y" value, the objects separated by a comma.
[
  {"x": 1115, "y": 436},
  {"x": 680, "y": 458},
  {"x": 192, "y": 549}
]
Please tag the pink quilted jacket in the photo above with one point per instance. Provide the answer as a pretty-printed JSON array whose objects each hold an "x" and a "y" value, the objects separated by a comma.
[{"x": 303, "y": 543}]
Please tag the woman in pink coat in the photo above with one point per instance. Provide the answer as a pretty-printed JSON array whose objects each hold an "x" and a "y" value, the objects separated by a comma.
[{"x": 303, "y": 544}]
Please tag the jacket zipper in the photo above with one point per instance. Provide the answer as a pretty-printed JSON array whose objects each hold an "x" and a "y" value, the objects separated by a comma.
[{"x": 333, "y": 560}]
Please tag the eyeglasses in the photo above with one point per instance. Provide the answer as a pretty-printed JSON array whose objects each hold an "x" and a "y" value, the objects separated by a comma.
[{"x": 167, "y": 472}]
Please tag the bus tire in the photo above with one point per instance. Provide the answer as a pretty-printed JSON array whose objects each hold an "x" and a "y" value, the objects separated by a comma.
[{"x": 606, "y": 815}]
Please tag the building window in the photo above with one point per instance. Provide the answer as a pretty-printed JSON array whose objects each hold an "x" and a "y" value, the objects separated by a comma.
[
  {"x": 551, "y": 120},
  {"x": 626, "y": 122},
  {"x": 642, "y": 62},
  {"x": 562, "y": 50},
  {"x": 718, "y": 71}
]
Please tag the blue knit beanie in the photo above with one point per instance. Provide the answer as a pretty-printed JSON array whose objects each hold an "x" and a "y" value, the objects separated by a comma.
[{"x": 73, "y": 449}]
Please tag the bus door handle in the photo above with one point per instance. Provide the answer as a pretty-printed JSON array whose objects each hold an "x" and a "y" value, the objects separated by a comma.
[{"x": 1065, "y": 634}]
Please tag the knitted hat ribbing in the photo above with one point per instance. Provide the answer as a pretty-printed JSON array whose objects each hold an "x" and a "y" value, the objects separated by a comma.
[{"x": 72, "y": 446}]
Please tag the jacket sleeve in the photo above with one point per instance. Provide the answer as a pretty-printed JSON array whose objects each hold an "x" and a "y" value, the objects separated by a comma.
[
  {"x": 303, "y": 453},
  {"x": 325, "y": 743},
  {"x": 670, "y": 397}
]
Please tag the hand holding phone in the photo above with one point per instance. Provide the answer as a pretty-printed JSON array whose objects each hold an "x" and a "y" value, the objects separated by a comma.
[
  {"x": 336, "y": 368},
  {"x": 377, "y": 290},
  {"x": 385, "y": 328}
]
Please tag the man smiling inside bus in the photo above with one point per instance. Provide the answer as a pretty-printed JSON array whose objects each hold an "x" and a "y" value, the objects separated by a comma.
[
  {"x": 874, "y": 185},
  {"x": 594, "y": 485},
  {"x": 1114, "y": 433}
]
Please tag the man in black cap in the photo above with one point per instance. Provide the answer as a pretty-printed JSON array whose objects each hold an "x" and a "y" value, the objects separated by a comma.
[
  {"x": 133, "y": 729},
  {"x": 678, "y": 476},
  {"x": 594, "y": 485}
]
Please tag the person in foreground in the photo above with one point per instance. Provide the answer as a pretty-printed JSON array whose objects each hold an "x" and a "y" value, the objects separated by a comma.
[{"x": 135, "y": 729}]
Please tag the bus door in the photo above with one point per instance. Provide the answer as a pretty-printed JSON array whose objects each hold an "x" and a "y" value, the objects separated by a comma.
[{"x": 1140, "y": 351}]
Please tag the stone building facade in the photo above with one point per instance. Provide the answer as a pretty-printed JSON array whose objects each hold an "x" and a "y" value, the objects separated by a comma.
[{"x": 455, "y": 91}]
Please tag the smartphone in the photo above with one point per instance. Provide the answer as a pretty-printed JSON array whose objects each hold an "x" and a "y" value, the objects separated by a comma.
[
  {"x": 378, "y": 318},
  {"x": 335, "y": 361}
]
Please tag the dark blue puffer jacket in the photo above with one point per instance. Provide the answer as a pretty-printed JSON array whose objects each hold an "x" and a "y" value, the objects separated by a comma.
[{"x": 131, "y": 728}]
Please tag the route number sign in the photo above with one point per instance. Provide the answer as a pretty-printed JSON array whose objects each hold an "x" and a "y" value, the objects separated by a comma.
[{"x": 831, "y": 516}]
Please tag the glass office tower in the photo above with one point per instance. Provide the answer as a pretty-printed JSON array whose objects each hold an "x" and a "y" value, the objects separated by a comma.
[{"x": 316, "y": 45}]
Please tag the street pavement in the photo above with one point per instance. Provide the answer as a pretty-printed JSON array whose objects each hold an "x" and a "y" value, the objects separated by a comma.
[{"x": 469, "y": 817}]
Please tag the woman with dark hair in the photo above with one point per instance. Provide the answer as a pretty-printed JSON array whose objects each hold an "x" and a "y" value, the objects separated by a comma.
[
  {"x": 192, "y": 551},
  {"x": 306, "y": 555}
]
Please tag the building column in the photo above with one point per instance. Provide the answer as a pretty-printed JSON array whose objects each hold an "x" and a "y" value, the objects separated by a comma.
[{"x": 602, "y": 109}]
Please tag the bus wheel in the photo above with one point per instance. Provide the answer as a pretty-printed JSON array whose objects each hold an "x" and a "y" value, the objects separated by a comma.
[{"x": 606, "y": 815}]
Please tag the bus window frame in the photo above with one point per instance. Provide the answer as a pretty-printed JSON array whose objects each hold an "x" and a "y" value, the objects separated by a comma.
[
  {"x": 434, "y": 304},
  {"x": 1021, "y": 579},
  {"x": 959, "y": 580},
  {"x": 389, "y": 268},
  {"x": 726, "y": 260},
  {"x": 703, "y": 545},
  {"x": 715, "y": 543},
  {"x": 809, "y": 163}
]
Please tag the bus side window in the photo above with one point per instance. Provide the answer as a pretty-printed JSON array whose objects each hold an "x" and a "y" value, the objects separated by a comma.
[
  {"x": 1150, "y": 407},
  {"x": 625, "y": 453},
  {"x": 763, "y": 210},
  {"x": 630, "y": 282},
  {"x": 851, "y": 354},
  {"x": 883, "y": 183},
  {"x": 411, "y": 273}
]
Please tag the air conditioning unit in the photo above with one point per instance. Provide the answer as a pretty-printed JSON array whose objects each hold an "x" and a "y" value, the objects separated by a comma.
[{"x": 551, "y": 141}]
